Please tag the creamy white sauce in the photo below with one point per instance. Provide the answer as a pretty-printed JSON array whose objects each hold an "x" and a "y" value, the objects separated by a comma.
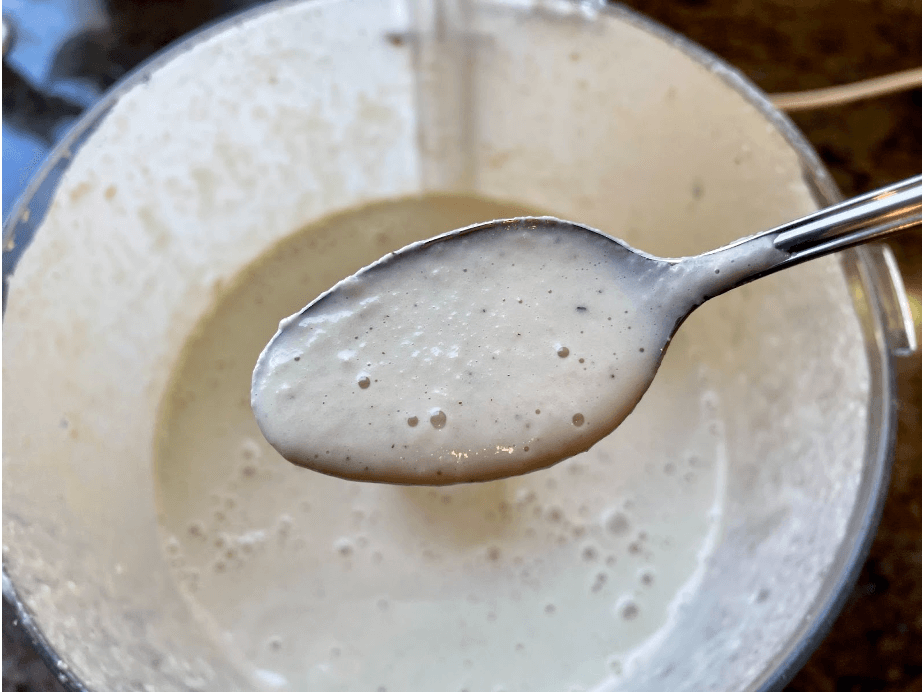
[
  {"x": 496, "y": 352},
  {"x": 550, "y": 580}
]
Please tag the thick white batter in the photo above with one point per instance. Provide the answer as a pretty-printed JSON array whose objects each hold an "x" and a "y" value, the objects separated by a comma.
[
  {"x": 546, "y": 581},
  {"x": 497, "y": 352}
]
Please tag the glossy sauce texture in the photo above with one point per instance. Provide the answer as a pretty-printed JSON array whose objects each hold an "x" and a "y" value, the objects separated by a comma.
[{"x": 486, "y": 354}]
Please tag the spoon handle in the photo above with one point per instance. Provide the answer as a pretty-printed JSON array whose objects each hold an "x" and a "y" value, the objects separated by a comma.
[{"x": 859, "y": 220}]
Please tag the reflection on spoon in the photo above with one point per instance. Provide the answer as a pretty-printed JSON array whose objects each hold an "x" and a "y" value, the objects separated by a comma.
[{"x": 505, "y": 347}]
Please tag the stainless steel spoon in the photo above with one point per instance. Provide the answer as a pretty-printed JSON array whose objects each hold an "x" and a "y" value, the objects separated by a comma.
[{"x": 489, "y": 398}]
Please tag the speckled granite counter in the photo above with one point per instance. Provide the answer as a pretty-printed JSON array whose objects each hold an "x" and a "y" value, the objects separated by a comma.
[{"x": 787, "y": 45}]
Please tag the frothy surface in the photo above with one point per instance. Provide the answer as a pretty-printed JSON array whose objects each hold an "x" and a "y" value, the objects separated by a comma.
[
  {"x": 550, "y": 580},
  {"x": 497, "y": 352}
]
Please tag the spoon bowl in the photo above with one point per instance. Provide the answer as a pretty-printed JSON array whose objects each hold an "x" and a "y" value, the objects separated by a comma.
[{"x": 491, "y": 351}]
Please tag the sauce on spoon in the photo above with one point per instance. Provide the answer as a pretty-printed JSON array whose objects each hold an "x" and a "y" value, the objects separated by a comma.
[{"x": 509, "y": 348}]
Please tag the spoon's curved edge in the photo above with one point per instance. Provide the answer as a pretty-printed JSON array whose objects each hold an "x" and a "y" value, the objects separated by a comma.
[{"x": 384, "y": 474}]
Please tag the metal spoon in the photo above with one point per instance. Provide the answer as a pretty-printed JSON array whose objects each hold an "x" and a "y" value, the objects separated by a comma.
[{"x": 417, "y": 369}]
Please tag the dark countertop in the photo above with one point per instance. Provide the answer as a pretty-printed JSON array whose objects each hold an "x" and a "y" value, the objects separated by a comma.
[{"x": 788, "y": 45}]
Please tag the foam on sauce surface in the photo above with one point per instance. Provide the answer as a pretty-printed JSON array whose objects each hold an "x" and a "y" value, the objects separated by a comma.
[
  {"x": 550, "y": 580},
  {"x": 495, "y": 353}
]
